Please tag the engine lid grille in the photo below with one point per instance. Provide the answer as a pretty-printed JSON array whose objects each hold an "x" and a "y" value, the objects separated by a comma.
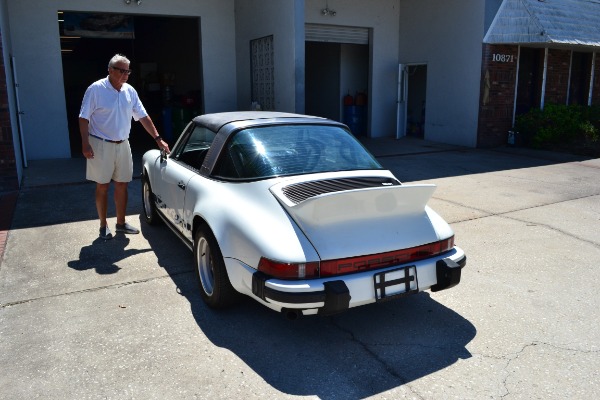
[{"x": 300, "y": 192}]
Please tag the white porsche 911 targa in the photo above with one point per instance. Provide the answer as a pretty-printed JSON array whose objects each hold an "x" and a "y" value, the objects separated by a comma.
[{"x": 292, "y": 211}]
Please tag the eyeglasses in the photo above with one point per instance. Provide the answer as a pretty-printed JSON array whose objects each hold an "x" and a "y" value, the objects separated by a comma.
[{"x": 123, "y": 71}]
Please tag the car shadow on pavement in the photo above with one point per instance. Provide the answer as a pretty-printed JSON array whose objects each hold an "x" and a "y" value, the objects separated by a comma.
[{"x": 356, "y": 354}]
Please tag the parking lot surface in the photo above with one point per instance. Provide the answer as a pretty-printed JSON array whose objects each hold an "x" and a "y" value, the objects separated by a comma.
[{"x": 82, "y": 318}]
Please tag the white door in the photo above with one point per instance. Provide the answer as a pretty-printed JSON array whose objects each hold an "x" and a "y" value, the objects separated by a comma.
[
  {"x": 175, "y": 178},
  {"x": 401, "y": 102}
]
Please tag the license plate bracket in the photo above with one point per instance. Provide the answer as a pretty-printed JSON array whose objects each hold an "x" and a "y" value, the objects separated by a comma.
[{"x": 395, "y": 283}]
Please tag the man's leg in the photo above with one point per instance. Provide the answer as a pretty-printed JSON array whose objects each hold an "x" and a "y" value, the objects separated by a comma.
[
  {"x": 102, "y": 207},
  {"x": 99, "y": 170},
  {"x": 122, "y": 176},
  {"x": 121, "y": 201},
  {"x": 102, "y": 202},
  {"x": 121, "y": 205}
]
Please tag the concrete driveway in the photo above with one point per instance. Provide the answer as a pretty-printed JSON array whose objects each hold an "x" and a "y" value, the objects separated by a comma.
[{"x": 82, "y": 318}]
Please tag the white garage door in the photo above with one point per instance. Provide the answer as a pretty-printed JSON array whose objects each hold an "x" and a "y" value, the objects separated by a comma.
[{"x": 336, "y": 34}]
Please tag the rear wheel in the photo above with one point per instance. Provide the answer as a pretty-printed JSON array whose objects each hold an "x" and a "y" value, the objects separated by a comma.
[
  {"x": 215, "y": 287},
  {"x": 150, "y": 213}
]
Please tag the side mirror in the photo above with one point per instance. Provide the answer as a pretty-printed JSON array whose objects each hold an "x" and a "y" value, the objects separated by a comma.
[{"x": 163, "y": 156}]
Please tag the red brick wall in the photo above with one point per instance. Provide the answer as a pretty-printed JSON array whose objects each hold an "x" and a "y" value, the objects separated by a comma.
[
  {"x": 496, "y": 103},
  {"x": 557, "y": 76},
  {"x": 498, "y": 75},
  {"x": 8, "y": 167}
]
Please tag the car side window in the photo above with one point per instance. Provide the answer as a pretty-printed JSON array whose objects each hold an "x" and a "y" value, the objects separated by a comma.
[{"x": 193, "y": 152}]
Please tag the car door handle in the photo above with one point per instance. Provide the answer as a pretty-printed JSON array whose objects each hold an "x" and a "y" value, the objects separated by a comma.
[{"x": 181, "y": 185}]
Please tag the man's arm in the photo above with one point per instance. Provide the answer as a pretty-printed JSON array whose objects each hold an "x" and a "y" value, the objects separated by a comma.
[
  {"x": 151, "y": 129},
  {"x": 86, "y": 149}
]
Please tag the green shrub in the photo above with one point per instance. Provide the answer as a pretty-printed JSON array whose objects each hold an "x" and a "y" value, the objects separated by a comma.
[
  {"x": 591, "y": 116},
  {"x": 527, "y": 125},
  {"x": 558, "y": 126}
]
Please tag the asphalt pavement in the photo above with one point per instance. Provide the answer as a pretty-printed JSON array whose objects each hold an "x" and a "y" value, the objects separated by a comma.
[{"x": 82, "y": 318}]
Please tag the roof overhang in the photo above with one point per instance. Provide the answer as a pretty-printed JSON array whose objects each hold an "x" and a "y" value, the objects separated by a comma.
[{"x": 560, "y": 23}]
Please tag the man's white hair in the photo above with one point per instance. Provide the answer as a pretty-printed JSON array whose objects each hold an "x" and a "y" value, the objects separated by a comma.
[{"x": 118, "y": 58}]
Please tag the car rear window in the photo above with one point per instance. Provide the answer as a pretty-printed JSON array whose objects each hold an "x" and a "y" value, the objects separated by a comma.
[{"x": 269, "y": 151}]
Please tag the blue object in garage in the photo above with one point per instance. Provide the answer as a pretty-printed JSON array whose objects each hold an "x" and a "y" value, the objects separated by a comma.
[
  {"x": 356, "y": 119},
  {"x": 167, "y": 123}
]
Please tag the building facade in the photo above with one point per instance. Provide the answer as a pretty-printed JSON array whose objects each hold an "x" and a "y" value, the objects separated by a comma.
[
  {"x": 443, "y": 71},
  {"x": 537, "y": 53}
]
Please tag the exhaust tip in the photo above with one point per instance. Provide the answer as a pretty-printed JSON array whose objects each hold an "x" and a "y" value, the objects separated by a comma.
[{"x": 291, "y": 314}]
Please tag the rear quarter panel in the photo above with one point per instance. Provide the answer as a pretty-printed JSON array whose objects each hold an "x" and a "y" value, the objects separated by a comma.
[{"x": 247, "y": 221}]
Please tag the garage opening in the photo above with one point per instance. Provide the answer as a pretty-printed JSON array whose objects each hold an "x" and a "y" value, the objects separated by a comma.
[
  {"x": 337, "y": 74},
  {"x": 416, "y": 100},
  {"x": 165, "y": 60}
]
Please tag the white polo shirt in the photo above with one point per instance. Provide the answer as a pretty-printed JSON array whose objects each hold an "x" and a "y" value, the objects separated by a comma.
[{"x": 110, "y": 111}]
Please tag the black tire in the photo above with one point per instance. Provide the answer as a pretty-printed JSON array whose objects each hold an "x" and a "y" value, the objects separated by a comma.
[
  {"x": 149, "y": 206},
  {"x": 215, "y": 287}
]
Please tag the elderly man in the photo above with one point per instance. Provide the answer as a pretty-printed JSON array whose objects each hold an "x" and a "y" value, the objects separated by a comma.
[{"x": 108, "y": 106}]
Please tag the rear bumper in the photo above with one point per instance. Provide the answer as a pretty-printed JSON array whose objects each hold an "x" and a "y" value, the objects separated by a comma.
[{"x": 336, "y": 294}]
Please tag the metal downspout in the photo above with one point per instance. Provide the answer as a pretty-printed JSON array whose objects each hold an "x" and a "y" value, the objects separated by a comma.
[
  {"x": 544, "y": 78},
  {"x": 514, "y": 116},
  {"x": 591, "y": 92},
  {"x": 569, "y": 81}
]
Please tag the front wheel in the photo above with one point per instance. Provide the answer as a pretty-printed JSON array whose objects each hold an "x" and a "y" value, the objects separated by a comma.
[
  {"x": 150, "y": 213},
  {"x": 215, "y": 287}
]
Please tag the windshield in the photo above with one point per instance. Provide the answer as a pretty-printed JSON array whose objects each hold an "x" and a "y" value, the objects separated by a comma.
[{"x": 269, "y": 151}]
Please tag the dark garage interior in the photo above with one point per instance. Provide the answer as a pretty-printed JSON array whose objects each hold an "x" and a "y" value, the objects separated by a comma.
[{"x": 165, "y": 60}]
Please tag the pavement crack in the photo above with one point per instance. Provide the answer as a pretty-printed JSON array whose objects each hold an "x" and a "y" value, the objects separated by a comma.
[
  {"x": 404, "y": 381},
  {"x": 506, "y": 215},
  {"x": 89, "y": 290},
  {"x": 511, "y": 358},
  {"x": 552, "y": 228}
]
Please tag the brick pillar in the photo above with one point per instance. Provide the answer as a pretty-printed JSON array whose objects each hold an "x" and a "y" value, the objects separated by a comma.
[
  {"x": 496, "y": 102},
  {"x": 557, "y": 76}
]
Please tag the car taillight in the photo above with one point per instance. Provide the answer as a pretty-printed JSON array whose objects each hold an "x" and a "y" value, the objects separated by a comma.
[
  {"x": 364, "y": 263},
  {"x": 289, "y": 270},
  {"x": 343, "y": 266}
]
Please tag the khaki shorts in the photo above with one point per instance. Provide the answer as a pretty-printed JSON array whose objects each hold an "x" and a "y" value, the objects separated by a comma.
[{"x": 112, "y": 161}]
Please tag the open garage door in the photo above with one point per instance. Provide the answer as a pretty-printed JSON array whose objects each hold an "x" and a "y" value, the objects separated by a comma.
[
  {"x": 337, "y": 74},
  {"x": 336, "y": 34},
  {"x": 165, "y": 60}
]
